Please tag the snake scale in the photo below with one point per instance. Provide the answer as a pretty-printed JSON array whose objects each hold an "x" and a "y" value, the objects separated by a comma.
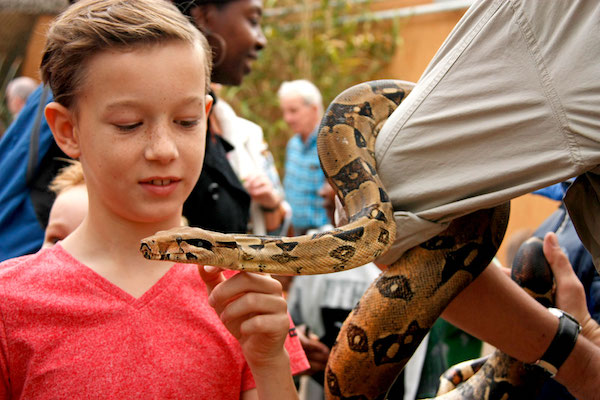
[{"x": 399, "y": 308}]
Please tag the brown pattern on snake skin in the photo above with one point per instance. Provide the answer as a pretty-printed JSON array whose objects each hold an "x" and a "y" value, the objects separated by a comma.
[
  {"x": 346, "y": 141},
  {"x": 425, "y": 279},
  {"x": 387, "y": 325}
]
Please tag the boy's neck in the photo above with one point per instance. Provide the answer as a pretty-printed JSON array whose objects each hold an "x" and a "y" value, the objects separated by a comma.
[{"x": 111, "y": 249}]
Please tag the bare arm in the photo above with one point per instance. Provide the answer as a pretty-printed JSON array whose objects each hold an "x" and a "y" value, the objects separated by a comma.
[{"x": 498, "y": 311}]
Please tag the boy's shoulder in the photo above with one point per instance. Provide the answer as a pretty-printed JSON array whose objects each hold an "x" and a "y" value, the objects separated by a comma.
[{"x": 32, "y": 268}]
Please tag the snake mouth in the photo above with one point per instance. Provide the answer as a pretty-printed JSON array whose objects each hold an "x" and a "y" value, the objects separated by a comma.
[
  {"x": 152, "y": 253},
  {"x": 175, "y": 248}
]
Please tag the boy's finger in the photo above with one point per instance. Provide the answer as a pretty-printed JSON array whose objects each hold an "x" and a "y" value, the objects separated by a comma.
[{"x": 211, "y": 276}]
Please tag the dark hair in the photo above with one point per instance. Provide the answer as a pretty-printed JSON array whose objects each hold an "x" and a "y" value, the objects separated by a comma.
[{"x": 185, "y": 6}]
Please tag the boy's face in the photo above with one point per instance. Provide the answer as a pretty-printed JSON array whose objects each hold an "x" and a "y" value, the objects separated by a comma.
[{"x": 140, "y": 126}]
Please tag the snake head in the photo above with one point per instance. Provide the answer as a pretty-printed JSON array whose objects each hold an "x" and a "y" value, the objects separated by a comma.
[{"x": 192, "y": 245}]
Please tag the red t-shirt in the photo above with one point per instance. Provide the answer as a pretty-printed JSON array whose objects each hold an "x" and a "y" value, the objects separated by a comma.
[{"x": 66, "y": 332}]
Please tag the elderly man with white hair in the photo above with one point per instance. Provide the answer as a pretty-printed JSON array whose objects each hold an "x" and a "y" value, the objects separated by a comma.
[
  {"x": 17, "y": 92},
  {"x": 302, "y": 108}
]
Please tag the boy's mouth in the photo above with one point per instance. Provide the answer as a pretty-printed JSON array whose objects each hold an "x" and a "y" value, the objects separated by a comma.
[
  {"x": 160, "y": 182},
  {"x": 161, "y": 186}
]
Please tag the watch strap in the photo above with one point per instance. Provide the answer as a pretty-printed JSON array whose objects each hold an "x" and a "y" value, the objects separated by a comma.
[{"x": 562, "y": 344}]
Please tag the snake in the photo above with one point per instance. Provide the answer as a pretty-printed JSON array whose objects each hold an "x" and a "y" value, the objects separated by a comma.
[
  {"x": 345, "y": 145},
  {"x": 401, "y": 305}
]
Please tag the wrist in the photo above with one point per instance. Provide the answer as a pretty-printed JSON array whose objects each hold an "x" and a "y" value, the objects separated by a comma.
[
  {"x": 581, "y": 370},
  {"x": 590, "y": 329},
  {"x": 271, "y": 209},
  {"x": 273, "y": 377},
  {"x": 562, "y": 344},
  {"x": 279, "y": 361}
]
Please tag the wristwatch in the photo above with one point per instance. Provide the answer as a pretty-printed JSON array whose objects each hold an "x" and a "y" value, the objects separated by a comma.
[{"x": 562, "y": 344}]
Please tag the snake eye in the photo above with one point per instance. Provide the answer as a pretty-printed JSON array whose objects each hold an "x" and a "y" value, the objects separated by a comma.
[{"x": 200, "y": 243}]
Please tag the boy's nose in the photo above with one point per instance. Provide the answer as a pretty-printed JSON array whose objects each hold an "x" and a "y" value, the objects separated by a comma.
[{"x": 162, "y": 146}]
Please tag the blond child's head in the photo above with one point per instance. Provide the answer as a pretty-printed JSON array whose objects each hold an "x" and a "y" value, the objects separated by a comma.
[
  {"x": 91, "y": 26},
  {"x": 70, "y": 206},
  {"x": 130, "y": 81}
]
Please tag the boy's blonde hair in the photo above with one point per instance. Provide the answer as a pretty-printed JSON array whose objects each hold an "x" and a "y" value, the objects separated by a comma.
[
  {"x": 92, "y": 26},
  {"x": 68, "y": 177}
]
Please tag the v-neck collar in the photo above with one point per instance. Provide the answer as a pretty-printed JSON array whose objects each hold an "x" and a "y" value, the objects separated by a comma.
[{"x": 114, "y": 290}]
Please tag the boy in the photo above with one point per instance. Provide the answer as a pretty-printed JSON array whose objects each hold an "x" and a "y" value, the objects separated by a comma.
[{"x": 90, "y": 317}]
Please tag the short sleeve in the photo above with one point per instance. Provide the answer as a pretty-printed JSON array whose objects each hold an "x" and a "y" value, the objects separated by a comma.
[{"x": 298, "y": 360}]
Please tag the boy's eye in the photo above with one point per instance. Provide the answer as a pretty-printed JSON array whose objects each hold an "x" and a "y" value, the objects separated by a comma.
[
  {"x": 128, "y": 127},
  {"x": 188, "y": 123}
]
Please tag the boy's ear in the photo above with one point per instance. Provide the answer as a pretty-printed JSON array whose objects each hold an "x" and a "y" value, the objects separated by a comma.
[
  {"x": 209, "y": 103},
  {"x": 61, "y": 123}
]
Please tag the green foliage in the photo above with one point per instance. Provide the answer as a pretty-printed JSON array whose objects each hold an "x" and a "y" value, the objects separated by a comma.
[{"x": 314, "y": 43}]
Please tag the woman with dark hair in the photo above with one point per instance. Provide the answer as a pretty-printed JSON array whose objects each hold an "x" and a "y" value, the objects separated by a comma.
[{"x": 239, "y": 184}]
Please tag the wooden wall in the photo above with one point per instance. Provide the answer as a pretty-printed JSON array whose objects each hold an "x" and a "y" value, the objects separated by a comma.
[{"x": 31, "y": 63}]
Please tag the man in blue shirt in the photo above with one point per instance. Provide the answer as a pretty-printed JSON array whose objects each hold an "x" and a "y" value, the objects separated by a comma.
[{"x": 302, "y": 108}]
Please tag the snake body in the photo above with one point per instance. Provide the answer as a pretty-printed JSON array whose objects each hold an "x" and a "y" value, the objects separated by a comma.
[
  {"x": 400, "y": 307},
  {"x": 346, "y": 140}
]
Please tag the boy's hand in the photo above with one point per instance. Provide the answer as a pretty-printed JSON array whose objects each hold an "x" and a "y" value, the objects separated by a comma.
[
  {"x": 253, "y": 309},
  {"x": 570, "y": 294}
]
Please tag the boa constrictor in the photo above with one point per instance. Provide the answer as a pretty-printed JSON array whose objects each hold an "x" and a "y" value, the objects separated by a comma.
[
  {"x": 345, "y": 142},
  {"x": 399, "y": 308}
]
